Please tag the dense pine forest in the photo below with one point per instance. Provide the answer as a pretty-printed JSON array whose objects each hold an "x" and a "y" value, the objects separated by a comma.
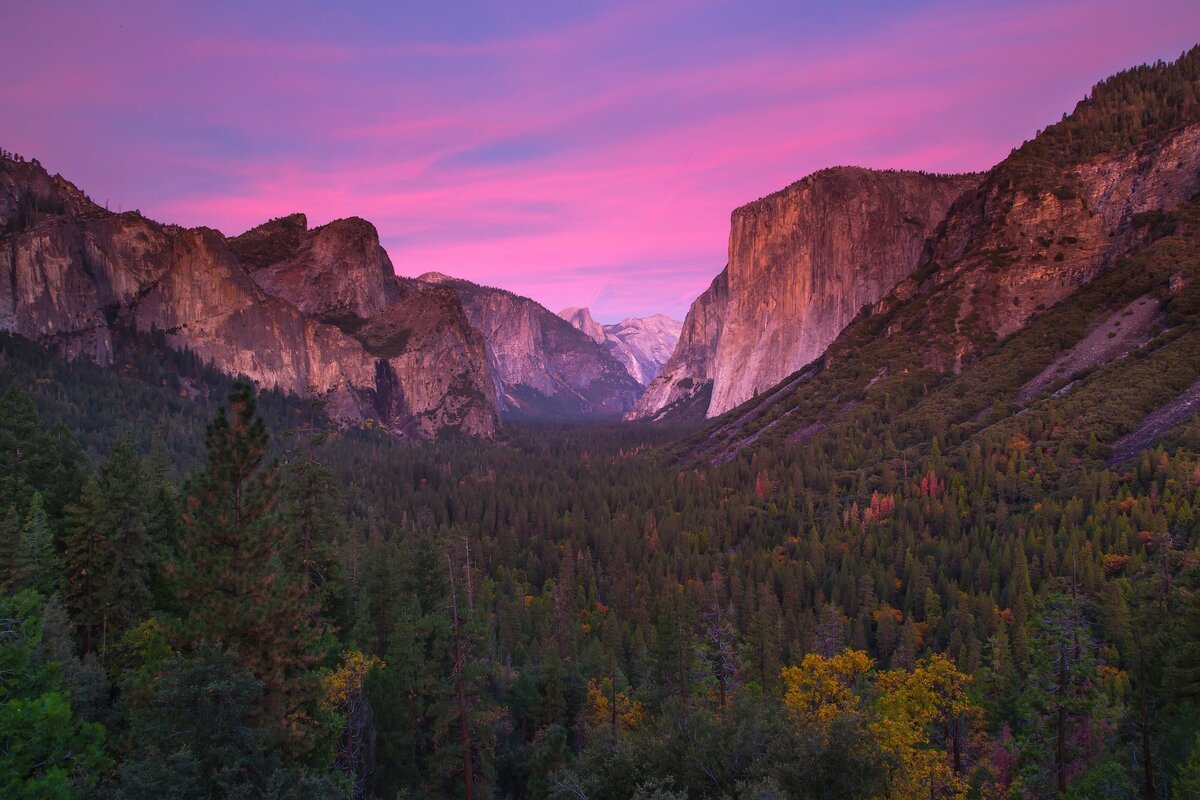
[{"x": 211, "y": 594}]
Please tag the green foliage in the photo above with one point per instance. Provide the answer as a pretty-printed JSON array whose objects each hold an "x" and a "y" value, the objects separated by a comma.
[
  {"x": 1127, "y": 109},
  {"x": 194, "y": 736},
  {"x": 668, "y": 576},
  {"x": 110, "y": 557},
  {"x": 235, "y": 570},
  {"x": 37, "y": 565},
  {"x": 1187, "y": 782},
  {"x": 45, "y": 751}
]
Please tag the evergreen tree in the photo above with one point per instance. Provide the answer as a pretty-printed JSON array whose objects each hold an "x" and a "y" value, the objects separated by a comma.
[
  {"x": 311, "y": 513},
  {"x": 87, "y": 553},
  {"x": 162, "y": 521},
  {"x": 232, "y": 574},
  {"x": 45, "y": 750},
  {"x": 37, "y": 564},
  {"x": 124, "y": 589},
  {"x": 20, "y": 430},
  {"x": 10, "y": 545},
  {"x": 194, "y": 735}
]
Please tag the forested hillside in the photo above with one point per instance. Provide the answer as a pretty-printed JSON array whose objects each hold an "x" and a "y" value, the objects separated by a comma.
[{"x": 619, "y": 622}]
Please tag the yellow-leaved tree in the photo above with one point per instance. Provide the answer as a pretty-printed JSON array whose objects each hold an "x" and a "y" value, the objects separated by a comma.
[
  {"x": 919, "y": 720},
  {"x": 600, "y": 709},
  {"x": 345, "y": 693},
  {"x": 821, "y": 689},
  {"x": 922, "y": 719}
]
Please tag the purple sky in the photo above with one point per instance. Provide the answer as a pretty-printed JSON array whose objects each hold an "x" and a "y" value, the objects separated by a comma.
[{"x": 581, "y": 153}]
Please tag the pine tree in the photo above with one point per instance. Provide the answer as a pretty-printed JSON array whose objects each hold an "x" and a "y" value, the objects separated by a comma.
[
  {"x": 124, "y": 590},
  {"x": 232, "y": 575},
  {"x": 109, "y": 557},
  {"x": 20, "y": 430},
  {"x": 37, "y": 565},
  {"x": 10, "y": 543},
  {"x": 87, "y": 551},
  {"x": 311, "y": 514},
  {"x": 162, "y": 520}
]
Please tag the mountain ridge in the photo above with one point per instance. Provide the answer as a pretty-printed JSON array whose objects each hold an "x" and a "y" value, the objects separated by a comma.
[{"x": 75, "y": 270}]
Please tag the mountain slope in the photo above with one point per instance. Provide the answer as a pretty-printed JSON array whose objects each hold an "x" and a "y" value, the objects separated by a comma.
[
  {"x": 641, "y": 344},
  {"x": 74, "y": 272},
  {"x": 1067, "y": 261},
  {"x": 541, "y": 366}
]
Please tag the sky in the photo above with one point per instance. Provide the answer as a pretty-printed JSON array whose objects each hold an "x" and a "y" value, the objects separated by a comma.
[{"x": 577, "y": 152}]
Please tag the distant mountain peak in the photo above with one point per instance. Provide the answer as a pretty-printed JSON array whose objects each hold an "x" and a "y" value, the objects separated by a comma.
[
  {"x": 641, "y": 344},
  {"x": 581, "y": 318}
]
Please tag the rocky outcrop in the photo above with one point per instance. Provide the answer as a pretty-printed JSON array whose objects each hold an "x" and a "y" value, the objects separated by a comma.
[
  {"x": 581, "y": 318},
  {"x": 338, "y": 271},
  {"x": 684, "y": 386},
  {"x": 541, "y": 366},
  {"x": 1020, "y": 244},
  {"x": 1052, "y": 264},
  {"x": 72, "y": 273},
  {"x": 641, "y": 344},
  {"x": 803, "y": 263}
]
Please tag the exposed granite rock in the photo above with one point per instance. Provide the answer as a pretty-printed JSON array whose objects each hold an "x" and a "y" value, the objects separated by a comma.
[
  {"x": 581, "y": 318},
  {"x": 72, "y": 272},
  {"x": 1119, "y": 173},
  {"x": 684, "y": 386},
  {"x": 338, "y": 271},
  {"x": 1007, "y": 253},
  {"x": 541, "y": 366},
  {"x": 803, "y": 262},
  {"x": 641, "y": 344}
]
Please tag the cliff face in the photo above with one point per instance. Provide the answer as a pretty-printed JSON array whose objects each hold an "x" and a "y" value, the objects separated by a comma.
[
  {"x": 581, "y": 318},
  {"x": 804, "y": 261},
  {"x": 641, "y": 344},
  {"x": 684, "y": 386},
  {"x": 338, "y": 271},
  {"x": 540, "y": 365},
  {"x": 71, "y": 273}
]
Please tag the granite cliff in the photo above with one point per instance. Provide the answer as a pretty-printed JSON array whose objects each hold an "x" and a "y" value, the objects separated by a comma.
[
  {"x": 73, "y": 273},
  {"x": 802, "y": 264},
  {"x": 541, "y": 366},
  {"x": 641, "y": 344}
]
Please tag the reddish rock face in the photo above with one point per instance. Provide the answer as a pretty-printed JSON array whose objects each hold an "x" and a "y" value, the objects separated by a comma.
[
  {"x": 71, "y": 272},
  {"x": 802, "y": 264},
  {"x": 1007, "y": 252},
  {"x": 541, "y": 366},
  {"x": 1106, "y": 182},
  {"x": 338, "y": 271}
]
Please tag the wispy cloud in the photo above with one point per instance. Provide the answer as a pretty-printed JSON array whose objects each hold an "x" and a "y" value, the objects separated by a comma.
[{"x": 584, "y": 152}]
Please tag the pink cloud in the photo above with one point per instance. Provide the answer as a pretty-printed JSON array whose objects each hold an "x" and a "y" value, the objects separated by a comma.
[{"x": 595, "y": 159}]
